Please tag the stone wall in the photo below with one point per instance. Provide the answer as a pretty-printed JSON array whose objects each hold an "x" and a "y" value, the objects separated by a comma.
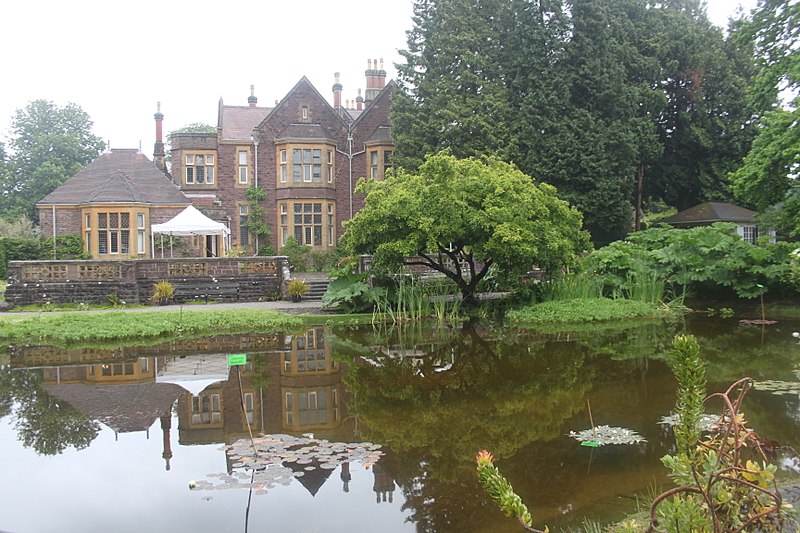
[{"x": 39, "y": 282}]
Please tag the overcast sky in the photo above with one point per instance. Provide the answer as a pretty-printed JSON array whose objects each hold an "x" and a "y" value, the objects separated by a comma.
[{"x": 117, "y": 62}]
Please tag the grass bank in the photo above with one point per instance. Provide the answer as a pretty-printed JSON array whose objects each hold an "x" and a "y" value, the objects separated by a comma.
[
  {"x": 66, "y": 329},
  {"x": 585, "y": 310}
]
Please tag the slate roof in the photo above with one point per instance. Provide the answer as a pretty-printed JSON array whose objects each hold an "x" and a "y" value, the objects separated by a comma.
[
  {"x": 121, "y": 176},
  {"x": 710, "y": 212},
  {"x": 124, "y": 407},
  {"x": 238, "y": 122},
  {"x": 381, "y": 135},
  {"x": 304, "y": 132}
]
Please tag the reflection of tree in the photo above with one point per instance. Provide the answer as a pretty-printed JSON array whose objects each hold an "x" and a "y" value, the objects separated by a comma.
[
  {"x": 44, "y": 422},
  {"x": 731, "y": 350},
  {"x": 436, "y": 407}
]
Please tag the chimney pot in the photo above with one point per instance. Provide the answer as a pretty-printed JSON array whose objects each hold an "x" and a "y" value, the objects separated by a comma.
[{"x": 252, "y": 100}]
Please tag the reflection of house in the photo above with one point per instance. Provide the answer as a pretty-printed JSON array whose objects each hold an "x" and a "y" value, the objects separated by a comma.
[
  {"x": 123, "y": 396},
  {"x": 310, "y": 384},
  {"x": 708, "y": 213},
  {"x": 297, "y": 389}
]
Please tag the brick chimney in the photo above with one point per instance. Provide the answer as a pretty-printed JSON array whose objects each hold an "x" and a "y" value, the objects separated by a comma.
[
  {"x": 252, "y": 100},
  {"x": 359, "y": 101},
  {"x": 159, "y": 155},
  {"x": 337, "y": 92},
  {"x": 376, "y": 80}
]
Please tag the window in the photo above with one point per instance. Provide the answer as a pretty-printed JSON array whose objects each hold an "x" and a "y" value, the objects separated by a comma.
[
  {"x": 306, "y": 165},
  {"x": 242, "y": 167},
  {"x": 283, "y": 172},
  {"x": 748, "y": 233},
  {"x": 308, "y": 223},
  {"x": 113, "y": 233},
  {"x": 248, "y": 406},
  {"x": 244, "y": 233},
  {"x": 140, "y": 234},
  {"x": 330, "y": 225},
  {"x": 380, "y": 161},
  {"x": 289, "y": 409},
  {"x": 206, "y": 409},
  {"x": 305, "y": 113},
  {"x": 199, "y": 169},
  {"x": 373, "y": 165},
  {"x": 88, "y": 233}
]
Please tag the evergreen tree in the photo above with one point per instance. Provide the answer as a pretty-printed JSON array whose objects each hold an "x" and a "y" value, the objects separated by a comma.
[
  {"x": 705, "y": 127},
  {"x": 453, "y": 87}
]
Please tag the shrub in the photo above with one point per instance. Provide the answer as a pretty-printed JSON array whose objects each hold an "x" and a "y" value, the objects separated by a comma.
[
  {"x": 163, "y": 291},
  {"x": 297, "y": 254},
  {"x": 296, "y": 288}
]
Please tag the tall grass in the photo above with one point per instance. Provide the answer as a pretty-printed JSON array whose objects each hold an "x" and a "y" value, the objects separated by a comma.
[
  {"x": 572, "y": 287},
  {"x": 645, "y": 286},
  {"x": 415, "y": 300}
]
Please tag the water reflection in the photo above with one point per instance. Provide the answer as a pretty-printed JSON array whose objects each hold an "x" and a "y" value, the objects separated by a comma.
[{"x": 430, "y": 397}]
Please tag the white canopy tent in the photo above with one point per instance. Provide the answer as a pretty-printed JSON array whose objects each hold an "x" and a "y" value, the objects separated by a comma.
[{"x": 189, "y": 222}]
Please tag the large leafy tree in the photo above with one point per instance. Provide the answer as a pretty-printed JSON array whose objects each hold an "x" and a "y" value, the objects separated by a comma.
[
  {"x": 461, "y": 217},
  {"x": 43, "y": 422},
  {"x": 48, "y": 145},
  {"x": 769, "y": 173}
]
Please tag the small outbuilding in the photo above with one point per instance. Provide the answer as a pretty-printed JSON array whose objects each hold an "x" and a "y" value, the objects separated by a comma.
[{"x": 708, "y": 213}]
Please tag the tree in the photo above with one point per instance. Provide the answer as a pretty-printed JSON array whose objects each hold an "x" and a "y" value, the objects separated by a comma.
[
  {"x": 706, "y": 126},
  {"x": 49, "y": 144},
  {"x": 194, "y": 127},
  {"x": 453, "y": 86},
  {"x": 44, "y": 422},
  {"x": 462, "y": 217},
  {"x": 768, "y": 174}
]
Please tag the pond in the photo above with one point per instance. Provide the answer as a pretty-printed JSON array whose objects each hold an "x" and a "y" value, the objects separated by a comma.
[{"x": 358, "y": 429}]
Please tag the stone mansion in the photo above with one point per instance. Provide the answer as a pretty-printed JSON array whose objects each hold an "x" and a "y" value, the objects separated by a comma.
[{"x": 305, "y": 153}]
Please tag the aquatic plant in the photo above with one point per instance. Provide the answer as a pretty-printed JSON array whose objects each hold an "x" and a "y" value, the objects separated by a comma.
[{"x": 501, "y": 491}]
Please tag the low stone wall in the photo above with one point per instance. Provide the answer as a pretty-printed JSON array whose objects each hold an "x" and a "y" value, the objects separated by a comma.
[{"x": 39, "y": 282}]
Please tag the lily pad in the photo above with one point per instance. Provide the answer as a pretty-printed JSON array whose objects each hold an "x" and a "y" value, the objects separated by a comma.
[{"x": 604, "y": 435}]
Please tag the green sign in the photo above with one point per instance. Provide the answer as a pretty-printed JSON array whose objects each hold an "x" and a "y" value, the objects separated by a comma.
[
  {"x": 237, "y": 359},
  {"x": 588, "y": 443}
]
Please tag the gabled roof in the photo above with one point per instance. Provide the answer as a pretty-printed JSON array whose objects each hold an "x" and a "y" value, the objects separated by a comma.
[
  {"x": 120, "y": 176},
  {"x": 710, "y": 212},
  {"x": 304, "y": 81},
  {"x": 238, "y": 122}
]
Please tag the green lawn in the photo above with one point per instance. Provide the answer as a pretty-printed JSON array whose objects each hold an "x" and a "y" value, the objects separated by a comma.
[{"x": 95, "y": 328}]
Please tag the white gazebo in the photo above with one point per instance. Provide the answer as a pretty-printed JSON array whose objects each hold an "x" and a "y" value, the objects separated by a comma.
[{"x": 189, "y": 222}]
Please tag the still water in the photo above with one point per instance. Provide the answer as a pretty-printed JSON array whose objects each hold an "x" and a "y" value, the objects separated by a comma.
[{"x": 357, "y": 429}]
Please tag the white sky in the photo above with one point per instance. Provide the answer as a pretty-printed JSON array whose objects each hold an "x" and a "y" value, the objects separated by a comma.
[{"x": 116, "y": 62}]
